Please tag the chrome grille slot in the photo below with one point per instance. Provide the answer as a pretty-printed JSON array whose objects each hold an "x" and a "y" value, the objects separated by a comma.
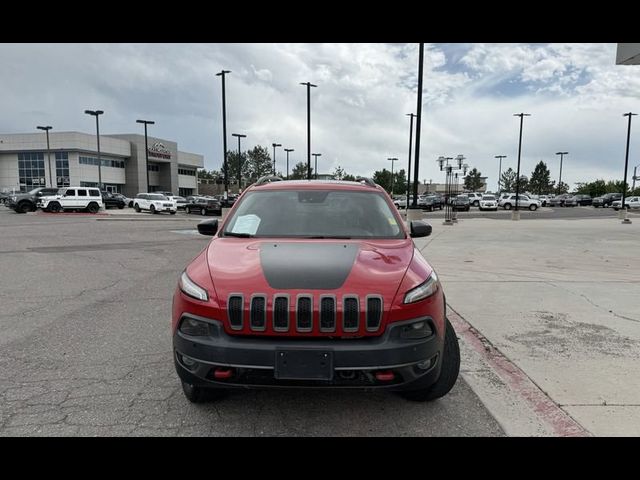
[
  {"x": 304, "y": 313},
  {"x": 350, "y": 313},
  {"x": 374, "y": 312},
  {"x": 281, "y": 313},
  {"x": 327, "y": 313},
  {"x": 258, "y": 313},
  {"x": 234, "y": 311}
]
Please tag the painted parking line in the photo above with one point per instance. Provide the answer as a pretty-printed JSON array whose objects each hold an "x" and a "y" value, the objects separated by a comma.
[{"x": 548, "y": 412}]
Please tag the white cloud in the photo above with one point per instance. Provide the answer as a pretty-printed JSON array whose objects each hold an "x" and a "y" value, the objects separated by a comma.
[{"x": 575, "y": 92}]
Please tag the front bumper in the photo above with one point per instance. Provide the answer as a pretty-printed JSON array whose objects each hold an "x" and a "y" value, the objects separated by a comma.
[{"x": 354, "y": 361}]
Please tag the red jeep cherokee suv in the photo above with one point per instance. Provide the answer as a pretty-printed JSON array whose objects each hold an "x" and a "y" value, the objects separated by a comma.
[{"x": 313, "y": 284}]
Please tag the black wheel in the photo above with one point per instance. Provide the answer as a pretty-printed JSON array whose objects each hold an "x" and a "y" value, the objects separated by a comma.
[
  {"x": 93, "y": 207},
  {"x": 172, "y": 213},
  {"x": 203, "y": 211},
  {"x": 24, "y": 207},
  {"x": 198, "y": 394},
  {"x": 54, "y": 207},
  {"x": 131, "y": 204},
  {"x": 187, "y": 209},
  {"x": 136, "y": 207},
  {"x": 448, "y": 371},
  {"x": 533, "y": 207},
  {"x": 121, "y": 206},
  {"x": 616, "y": 208},
  {"x": 194, "y": 394},
  {"x": 507, "y": 206},
  {"x": 476, "y": 203},
  {"x": 152, "y": 209}
]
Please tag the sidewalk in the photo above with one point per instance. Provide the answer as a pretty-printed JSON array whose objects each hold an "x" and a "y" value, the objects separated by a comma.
[{"x": 559, "y": 299}]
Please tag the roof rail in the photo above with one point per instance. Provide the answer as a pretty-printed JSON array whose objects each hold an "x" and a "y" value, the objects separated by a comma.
[
  {"x": 366, "y": 181},
  {"x": 268, "y": 179}
]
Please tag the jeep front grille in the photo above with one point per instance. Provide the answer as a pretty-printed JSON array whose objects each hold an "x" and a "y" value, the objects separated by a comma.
[
  {"x": 350, "y": 314},
  {"x": 281, "y": 313},
  {"x": 327, "y": 314},
  {"x": 304, "y": 313},
  {"x": 234, "y": 310},
  {"x": 374, "y": 312},
  {"x": 258, "y": 312}
]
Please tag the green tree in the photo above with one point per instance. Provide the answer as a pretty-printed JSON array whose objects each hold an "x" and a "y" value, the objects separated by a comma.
[
  {"x": 508, "y": 181},
  {"x": 472, "y": 181},
  {"x": 258, "y": 162},
  {"x": 383, "y": 178},
  {"x": 540, "y": 182},
  {"x": 299, "y": 172},
  {"x": 349, "y": 178},
  {"x": 561, "y": 188},
  {"x": 234, "y": 163},
  {"x": 339, "y": 173},
  {"x": 208, "y": 174}
]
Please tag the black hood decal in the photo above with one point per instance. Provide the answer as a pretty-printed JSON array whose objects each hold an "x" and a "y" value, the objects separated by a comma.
[{"x": 315, "y": 266}]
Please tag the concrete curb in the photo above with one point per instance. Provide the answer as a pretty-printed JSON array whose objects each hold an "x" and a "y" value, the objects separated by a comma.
[{"x": 548, "y": 413}]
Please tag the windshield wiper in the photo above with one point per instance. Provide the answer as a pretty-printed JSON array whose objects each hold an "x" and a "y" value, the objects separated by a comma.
[
  {"x": 240, "y": 235},
  {"x": 336, "y": 237}
]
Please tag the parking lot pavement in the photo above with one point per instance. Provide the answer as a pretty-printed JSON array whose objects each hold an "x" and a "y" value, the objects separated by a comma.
[
  {"x": 548, "y": 213},
  {"x": 85, "y": 347},
  {"x": 560, "y": 301}
]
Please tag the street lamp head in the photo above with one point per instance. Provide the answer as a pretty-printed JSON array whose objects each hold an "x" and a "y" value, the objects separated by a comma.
[
  {"x": 289, "y": 150},
  {"x": 629, "y": 114},
  {"x": 562, "y": 153},
  {"x": 500, "y": 156},
  {"x": 521, "y": 114},
  {"x": 95, "y": 113},
  {"x": 308, "y": 84},
  {"x": 147, "y": 122},
  {"x": 441, "y": 161},
  {"x": 222, "y": 72},
  {"x": 238, "y": 135},
  {"x": 276, "y": 145},
  {"x": 48, "y": 127}
]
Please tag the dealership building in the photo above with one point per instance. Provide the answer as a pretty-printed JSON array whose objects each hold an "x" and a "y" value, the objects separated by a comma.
[{"x": 72, "y": 160}]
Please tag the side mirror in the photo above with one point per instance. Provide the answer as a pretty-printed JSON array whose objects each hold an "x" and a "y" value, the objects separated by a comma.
[
  {"x": 208, "y": 227},
  {"x": 420, "y": 229}
]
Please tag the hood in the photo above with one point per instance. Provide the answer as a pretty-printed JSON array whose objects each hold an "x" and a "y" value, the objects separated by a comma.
[{"x": 318, "y": 267}]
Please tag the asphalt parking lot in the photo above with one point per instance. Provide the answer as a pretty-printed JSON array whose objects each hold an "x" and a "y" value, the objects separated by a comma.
[{"x": 85, "y": 347}]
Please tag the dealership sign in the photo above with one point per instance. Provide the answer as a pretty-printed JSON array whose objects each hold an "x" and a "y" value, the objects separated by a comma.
[{"x": 158, "y": 150}]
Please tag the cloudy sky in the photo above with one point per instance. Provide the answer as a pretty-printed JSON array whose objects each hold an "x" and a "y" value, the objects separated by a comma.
[{"x": 574, "y": 92}]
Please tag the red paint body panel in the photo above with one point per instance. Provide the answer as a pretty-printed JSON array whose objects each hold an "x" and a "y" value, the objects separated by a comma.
[{"x": 388, "y": 268}]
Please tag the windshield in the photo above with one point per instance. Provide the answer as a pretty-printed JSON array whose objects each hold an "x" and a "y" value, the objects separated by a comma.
[
  {"x": 314, "y": 214},
  {"x": 157, "y": 197},
  {"x": 488, "y": 197}
]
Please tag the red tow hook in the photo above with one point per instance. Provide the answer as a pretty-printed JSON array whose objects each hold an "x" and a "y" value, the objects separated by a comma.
[
  {"x": 223, "y": 373},
  {"x": 385, "y": 376}
]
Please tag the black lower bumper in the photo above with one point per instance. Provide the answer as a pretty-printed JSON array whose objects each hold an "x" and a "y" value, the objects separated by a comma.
[{"x": 354, "y": 363}]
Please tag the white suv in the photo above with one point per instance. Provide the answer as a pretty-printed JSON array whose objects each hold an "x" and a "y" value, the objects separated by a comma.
[
  {"x": 474, "y": 199},
  {"x": 154, "y": 202},
  {"x": 73, "y": 198},
  {"x": 523, "y": 202}
]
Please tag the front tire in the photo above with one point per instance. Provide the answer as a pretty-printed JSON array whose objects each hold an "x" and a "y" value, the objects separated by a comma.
[
  {"x": 136, "y": 207},
  {"x": 203, "y": 212},
  {"x": 533, "y": 207},
  {"x": 93, "y": 208},
  {"x": 448, "y": 371},
  {"x": 152, "y": 209},
  {"x": 507, "y": 206},
  {"x": 54, "y": 207},
  {"x": 476, "y": 204},
  {"x": 24, "y": 207}
]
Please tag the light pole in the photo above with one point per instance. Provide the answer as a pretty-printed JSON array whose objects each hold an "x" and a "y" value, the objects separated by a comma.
[
  {"x": 222, "y": 74},
  {"x": 393, "y": 161},
  {"x": 626, "y": 165},
  {"x": 46, "y": 129},
  {"x": 315, "y": 171},
  {"x": 634, "y": 178},
  {"x": 418, "y": 118},
  {"x": 274, "y": 155},
  {"x": 97, "y": 113},
  {"x": 288, "y": 150},
  {"x": 562, "y": 154},
  {"x": 146, "y": 147},
  {"x": 309, "y": 85},
  {"x": 500, "y": 169},
  {"x": 411, "y": 115},
  {"x": 516, "y": 215},
  {"x": 239, "y": 160}
]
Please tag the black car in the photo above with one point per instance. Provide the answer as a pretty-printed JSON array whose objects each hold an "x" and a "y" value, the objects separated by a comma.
[
  {"x": 203, "y": 206},
  {"x": 112, "y": 200},
  {"x": 461, "y": 202},
  {"x": 28, "y": 202},
  {"x": 577, "y": 200},
  {"x": 431, "y": 202},
  {"x": 606, "y": 200}
]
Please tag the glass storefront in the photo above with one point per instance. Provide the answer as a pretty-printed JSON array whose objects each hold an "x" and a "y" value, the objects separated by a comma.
[{"x": 31, "y": 170}]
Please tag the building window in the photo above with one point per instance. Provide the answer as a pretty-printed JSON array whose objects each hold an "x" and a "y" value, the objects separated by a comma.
[
  {"x": 185, "y": 171},
  {"x": 153, "y": 167},
  {"x": 62, "y": 169},
  {"x": 31, "y": 170},
  {"x": 89, "y": 184},
  {"x": 106, "y": 162},
  {"x": 185, "y": 192}
]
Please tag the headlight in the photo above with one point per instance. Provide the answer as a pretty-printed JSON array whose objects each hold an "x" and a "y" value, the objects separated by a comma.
[
  {"x": 14, "y": 199},
  {"x": 188, "y": 287},
  {"x": 423, "y": 290},
  {"x": 191, "y": 326}
]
